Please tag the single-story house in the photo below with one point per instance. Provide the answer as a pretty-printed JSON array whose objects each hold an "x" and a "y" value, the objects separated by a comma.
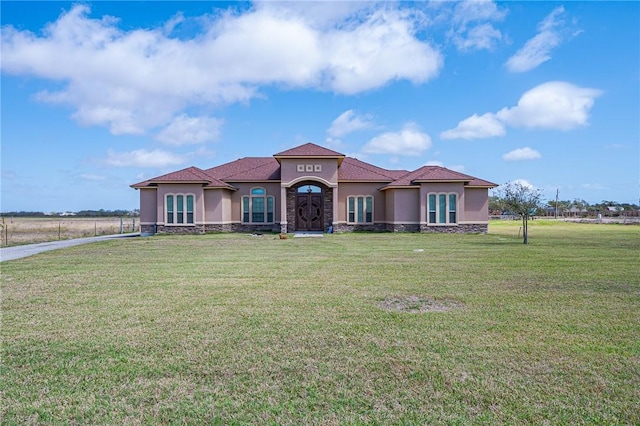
[{"x": 312, "y": 188}]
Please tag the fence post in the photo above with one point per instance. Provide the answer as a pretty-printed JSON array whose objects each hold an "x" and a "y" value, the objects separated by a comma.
[{"x": 121, "y": 225}]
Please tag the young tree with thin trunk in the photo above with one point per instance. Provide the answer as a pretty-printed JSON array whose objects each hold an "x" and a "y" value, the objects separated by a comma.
[{"x": 522, "y": 200}]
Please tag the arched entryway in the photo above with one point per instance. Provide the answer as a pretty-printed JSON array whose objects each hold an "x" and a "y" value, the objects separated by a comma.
[{"x": 309, "y": 208}]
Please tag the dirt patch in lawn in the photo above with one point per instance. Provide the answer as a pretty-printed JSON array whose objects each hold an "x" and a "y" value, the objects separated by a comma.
[{"x": 418, "y": 304}]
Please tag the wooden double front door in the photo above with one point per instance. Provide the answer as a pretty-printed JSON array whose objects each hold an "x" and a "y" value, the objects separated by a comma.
[{"x": 309, "y": 212}]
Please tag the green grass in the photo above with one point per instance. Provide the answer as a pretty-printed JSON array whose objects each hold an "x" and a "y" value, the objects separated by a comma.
[{"x": 232, "y": 329}]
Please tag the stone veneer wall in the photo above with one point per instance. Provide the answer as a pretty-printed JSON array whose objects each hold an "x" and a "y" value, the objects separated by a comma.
[
  {"x": 370, "y": 227},
  {"x": 410, "y": 227},
  {"x": 400, "y": 227},
  {"x": 202, "y": 229},
  {"x": 243, "y": 227},
  {"x": 180, "y": 230},
  {"x": 459, "y": 229},
  {"x": 343, "y": 227},
  {"x": 291, "y": 206}
]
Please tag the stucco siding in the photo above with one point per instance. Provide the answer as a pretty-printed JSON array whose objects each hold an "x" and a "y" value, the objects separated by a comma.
[
  {"x": 346, "y": 189},
  {"x": 323, "y": 168},
  {"x": 476, "y": 205},
  {"x": 216, "y": 204},
  {"x": 390, "y": 201},
  {"x": 441, "y": 187},
  {"x": 148, "y": 202},
  {"x": 173, "y": 188},
  {"x": 244, "y": 188},
  {"x": 406, "y": 206}
]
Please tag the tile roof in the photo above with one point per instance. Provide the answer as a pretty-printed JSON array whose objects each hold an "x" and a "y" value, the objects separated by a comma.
[{"x": 308, "y": 150}]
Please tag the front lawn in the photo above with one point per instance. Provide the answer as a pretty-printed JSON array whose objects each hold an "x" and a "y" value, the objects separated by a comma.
[{"x": 345, "y": 329}]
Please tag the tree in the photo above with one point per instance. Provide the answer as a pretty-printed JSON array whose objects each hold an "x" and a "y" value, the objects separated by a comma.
[
  {"x": 494, "y": 203},
  {"x": 521, "y": 199}
]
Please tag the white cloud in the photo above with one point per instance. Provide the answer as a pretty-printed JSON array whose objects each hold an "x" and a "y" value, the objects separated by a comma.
[
  {"x": 479, "y": 10},
  {"x": 476, "y": 127},
  {"x": 409, "y": 141},
  {"x": 554, "y": 105},
  {"x": 481, "y": 37},
  {"x": 524, "y": 183},
  {"x": 381, "y": 49},
  {"x": 472, "y": 30},
  {"x": 143, "y": 158},
  {"x": 520, "y": 154},
  {"x": 347, "y": 122},
  {"x": 537, "y": 50},
  {"x": 185, "y": 130},
  {"x": 347, "y": 50}
]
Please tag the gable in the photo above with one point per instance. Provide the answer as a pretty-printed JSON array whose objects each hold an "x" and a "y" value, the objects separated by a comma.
[{"x": 255, "y": 169}]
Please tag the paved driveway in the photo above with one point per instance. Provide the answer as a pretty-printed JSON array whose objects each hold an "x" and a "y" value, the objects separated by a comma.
[{"x": 18, "y": 252}]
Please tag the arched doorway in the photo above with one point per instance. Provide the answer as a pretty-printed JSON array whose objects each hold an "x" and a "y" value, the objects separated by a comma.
[{"x": 309, "y": 208}]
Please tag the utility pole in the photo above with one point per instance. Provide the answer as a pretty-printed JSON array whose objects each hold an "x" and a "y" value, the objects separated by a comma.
[{"x": 557, "y": 192}]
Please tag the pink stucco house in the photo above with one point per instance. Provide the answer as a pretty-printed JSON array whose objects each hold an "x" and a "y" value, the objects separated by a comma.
[{"x": 312, "y": 188}]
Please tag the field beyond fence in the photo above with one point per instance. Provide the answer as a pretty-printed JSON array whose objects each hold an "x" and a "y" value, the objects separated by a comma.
[{"x": 29, "y": 230}]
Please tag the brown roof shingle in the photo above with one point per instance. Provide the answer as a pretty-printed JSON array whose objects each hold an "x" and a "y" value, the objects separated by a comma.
[
  {"x": 430, "y": 173},
  {"x": 190, "y": 174},
  {"x": 244, "y": 169},
  {"x": 308, "y": 150},
  {"x": 351, "y": 169},
  {"x": 354, "y": 169}
]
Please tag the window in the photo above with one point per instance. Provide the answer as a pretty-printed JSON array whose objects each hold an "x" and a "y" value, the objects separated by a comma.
[
  {"x": 179, "y": 208},
  {"x": 309, "y": 189},
  {"x": 442, "y": 209},
  {"x": 452, "y": 208},
  {"x": 170, "y": 214},
  {"x": 432, "y": 208},
  {"x": 360, "y": 209},
  {"x": 180, "y": 202},
  {"x": 258, "y": 207}
]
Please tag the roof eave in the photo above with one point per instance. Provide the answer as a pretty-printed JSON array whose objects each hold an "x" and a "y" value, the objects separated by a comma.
[
  {"x": 365, "y": 180},
  {"x": 441, "y": 180},
  {"x": 307, "y": 157},
  {"x": 384, "y": 188}
]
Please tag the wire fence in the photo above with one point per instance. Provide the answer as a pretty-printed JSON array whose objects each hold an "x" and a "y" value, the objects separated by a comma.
[{"x": 20, "y": 230}]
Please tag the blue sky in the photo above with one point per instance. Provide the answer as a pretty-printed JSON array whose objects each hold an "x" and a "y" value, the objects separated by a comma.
[{"x": 99, "y": 95}]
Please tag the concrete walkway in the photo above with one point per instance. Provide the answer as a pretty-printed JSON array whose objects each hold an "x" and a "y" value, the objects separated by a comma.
[
  {"x": 18, "y": 252},
  {"x": 307, "y": 234}
]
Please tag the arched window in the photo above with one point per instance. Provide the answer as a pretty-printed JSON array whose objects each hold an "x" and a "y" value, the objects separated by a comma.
[
  {"x": 309, "y": 189},
  {"x": 257, "y": 207},
  {"x": 179, "y": 209},
  {"x": 442, "y": 208}
]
